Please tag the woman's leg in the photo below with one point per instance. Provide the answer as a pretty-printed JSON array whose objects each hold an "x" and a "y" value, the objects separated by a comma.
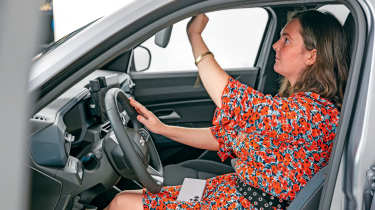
[{"x": 130, "y": 199}]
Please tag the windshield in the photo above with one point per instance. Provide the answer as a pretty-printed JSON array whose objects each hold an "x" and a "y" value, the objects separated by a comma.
[{"x": 62, "y": 40}]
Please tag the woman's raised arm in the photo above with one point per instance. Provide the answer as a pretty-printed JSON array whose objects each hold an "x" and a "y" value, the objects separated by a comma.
[{"x": 213, "y": 77}]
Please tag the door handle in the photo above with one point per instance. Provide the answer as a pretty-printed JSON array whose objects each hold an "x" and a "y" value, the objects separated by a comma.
[{"x": 168, "y": 115}]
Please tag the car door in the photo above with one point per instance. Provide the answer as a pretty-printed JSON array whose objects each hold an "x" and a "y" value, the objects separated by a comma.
[{"x": 171, "y": 87}]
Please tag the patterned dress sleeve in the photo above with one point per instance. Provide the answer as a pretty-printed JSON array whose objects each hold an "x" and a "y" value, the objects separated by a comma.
[
  {"x": 245, "y": 110},
  {"x": 227, "y": 116}
]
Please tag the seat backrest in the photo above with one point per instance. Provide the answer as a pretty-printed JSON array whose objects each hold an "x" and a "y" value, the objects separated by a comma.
[
  {"x": 349, "y": 31},
  {"x": 308, "y": 198}
]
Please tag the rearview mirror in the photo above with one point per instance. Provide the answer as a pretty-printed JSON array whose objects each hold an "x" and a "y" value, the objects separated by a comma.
[
  {"x": 142, "y": 58},
  {"x": 162, "y": 37}
]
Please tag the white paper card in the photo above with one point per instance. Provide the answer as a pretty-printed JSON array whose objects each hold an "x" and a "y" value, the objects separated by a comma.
[{"x": 191, "y": 190}]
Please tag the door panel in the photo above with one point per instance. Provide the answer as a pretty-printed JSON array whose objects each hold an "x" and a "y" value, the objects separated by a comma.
[
  {"x": 156, "y": 88},
  {"x": 196, "y": 112}
]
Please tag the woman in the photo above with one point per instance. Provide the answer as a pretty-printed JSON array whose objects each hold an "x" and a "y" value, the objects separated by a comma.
[{"x": 279, "y": 142}]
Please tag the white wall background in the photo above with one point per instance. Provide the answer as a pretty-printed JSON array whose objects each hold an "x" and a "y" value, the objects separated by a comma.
[{"x": 72, "y": 14}]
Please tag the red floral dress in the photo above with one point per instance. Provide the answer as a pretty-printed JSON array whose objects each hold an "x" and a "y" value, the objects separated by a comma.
[{"x": 279, "y": 144}]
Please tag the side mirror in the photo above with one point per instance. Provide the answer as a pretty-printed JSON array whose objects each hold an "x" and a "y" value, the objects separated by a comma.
[
  {"x": 141, "y": 58},
  {"x": 162, "y": 37}
]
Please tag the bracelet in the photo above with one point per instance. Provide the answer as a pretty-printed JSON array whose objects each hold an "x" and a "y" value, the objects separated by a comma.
[{"x": 200, "y": 58}]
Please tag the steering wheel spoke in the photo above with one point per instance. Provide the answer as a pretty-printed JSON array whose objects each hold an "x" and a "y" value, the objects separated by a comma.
[{"x": 155, "y": 174}]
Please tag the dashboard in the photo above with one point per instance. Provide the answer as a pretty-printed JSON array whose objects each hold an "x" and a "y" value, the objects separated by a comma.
[{"x": 67, "y": 155}]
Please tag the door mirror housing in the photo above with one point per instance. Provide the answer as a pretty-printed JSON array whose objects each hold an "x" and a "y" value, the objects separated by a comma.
[{"x": 141, "y": 58}]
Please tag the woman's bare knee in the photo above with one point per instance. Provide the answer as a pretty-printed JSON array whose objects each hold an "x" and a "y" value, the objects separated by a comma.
[{"x": 126, "y": 200}]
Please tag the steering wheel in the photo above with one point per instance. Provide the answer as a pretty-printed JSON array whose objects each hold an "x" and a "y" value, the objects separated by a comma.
[{"x": 138, "y": 147}]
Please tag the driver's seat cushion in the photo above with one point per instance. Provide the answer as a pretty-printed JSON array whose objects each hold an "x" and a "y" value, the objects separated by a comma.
[{"x": 199, "y": 169}]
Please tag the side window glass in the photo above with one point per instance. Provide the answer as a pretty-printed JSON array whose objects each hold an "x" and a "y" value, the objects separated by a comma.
[{"x": 233, "y": 36}]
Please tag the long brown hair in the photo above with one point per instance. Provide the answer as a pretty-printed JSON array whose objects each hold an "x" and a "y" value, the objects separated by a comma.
[{"x": 327, "y": 76}]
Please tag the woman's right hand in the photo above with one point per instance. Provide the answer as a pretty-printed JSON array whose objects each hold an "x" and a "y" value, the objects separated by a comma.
[
  {"x": 196, "y": 25},
  {"x": 147, "y": 118}
]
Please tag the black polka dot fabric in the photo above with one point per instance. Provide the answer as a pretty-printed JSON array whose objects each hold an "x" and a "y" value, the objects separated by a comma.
[{"x": 260, "y": 199}]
